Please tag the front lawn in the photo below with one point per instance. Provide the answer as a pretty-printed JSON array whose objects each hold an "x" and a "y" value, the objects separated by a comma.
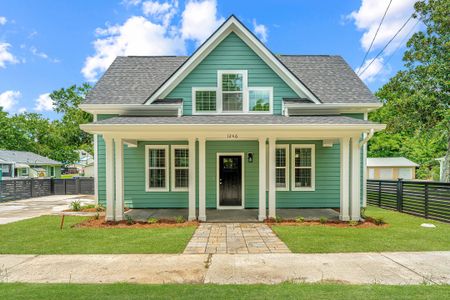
[
  {"x": 207, "y": 291},
  {"x": 403, "y": 234},
  {"x": 42, "y": 236}
]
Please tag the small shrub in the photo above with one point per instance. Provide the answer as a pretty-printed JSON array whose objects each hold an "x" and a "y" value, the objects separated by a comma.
[
  {"x": 152, "y": 220},
  {"x": 352, "y": 223},
  {"x": 97, "y": 216},
  {"x": 100, "y": 208},
  {"x": 75, "y": 205},
  {"x": 129, "y": 220},
  {"x": 278, "y": 219},
  {"x": 299, "y": 219},
  {"x": 180, "y": 219},
  {"x": 88, "y": 206},
  {"x": 379, "y": 221},
  {"x": 323, "y": 220}
]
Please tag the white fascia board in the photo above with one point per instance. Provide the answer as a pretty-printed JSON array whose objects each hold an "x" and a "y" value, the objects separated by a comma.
[
  {"x": 111, "y": 128},
  {"x": 232, "y": 25},
  {"x": 129, "y": 108},
  {"x": 334, "y": 107}
]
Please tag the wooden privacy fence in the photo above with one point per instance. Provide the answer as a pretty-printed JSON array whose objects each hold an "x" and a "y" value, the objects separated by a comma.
[
  {"x": 427, "y": 199},
  {"x": 15, "y": 189}
]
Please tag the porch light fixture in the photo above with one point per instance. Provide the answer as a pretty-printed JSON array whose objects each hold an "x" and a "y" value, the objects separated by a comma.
[{"x": 250, "y": 157}]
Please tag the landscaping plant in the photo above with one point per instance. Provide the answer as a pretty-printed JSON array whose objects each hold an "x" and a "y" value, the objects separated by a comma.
[
  {"x": 300, "y": 220},
  {"x": 180, "y": 219},
  {"x": 75, "y": 205},
  {"x": 152, "y": 220},
  {"x": 323, "y": 220}
]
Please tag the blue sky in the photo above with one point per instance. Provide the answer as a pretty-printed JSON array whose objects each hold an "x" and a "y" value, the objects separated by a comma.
[{"x": 46, "y": 45}]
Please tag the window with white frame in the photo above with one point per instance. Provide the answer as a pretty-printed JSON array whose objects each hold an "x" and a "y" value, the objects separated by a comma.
[
  {"x": 204, "y": 99},
  {"x": 259, "y": 99},
  {"x": 232, "y": 86},
  {"x": 157, "y": 172},
  {"x": 303, "y": 167},
  {"x": 281, "y": 167},
  {"x": 24, "y": 172},
  {"x": 180, "y": 168}
]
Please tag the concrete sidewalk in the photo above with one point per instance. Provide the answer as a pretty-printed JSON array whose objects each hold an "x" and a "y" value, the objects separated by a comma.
[{"x": 352, "y": 268}]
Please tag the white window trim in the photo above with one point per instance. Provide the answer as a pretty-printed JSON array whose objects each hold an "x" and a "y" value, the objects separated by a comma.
[
  {"x": 172, "y": 166},
  {"x": 286, "y": 172},
  {"x": 264, "y": 89},
  {"x": 194, "y": 100},
  {"x": 313, "y": 167},
  {"x": 27, "y": 173},
  {"x": 244, "y": 91},
  {"x": 147, "y": 168}
]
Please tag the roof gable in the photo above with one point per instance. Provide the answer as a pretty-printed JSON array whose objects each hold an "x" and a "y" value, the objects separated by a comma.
[{"x": 232, "y": 24}]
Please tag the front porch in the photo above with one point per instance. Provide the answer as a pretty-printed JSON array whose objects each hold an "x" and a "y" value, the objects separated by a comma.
[{"x": 234, "y": 215}]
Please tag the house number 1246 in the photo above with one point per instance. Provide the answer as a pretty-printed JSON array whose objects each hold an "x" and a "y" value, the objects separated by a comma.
[{"x": 232, "y": 136}]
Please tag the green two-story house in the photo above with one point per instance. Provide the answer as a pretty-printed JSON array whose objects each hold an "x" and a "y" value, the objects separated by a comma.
[{"x": 233, "y": 126}]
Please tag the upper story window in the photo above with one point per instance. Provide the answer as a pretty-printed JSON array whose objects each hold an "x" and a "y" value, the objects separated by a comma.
[{"x": 232, "y": 95}]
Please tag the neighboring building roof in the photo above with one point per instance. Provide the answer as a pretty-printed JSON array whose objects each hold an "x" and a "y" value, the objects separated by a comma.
[
  {"x": 232, "y": 120},
  {"x": 390, "y": 162},
  {"x": 132, "y": 79},
  {"x": 25, "y": 157}
]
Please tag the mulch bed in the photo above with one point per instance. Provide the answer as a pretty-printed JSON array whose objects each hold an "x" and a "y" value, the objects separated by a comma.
[
  {"x": 101, "y": 223},
  {"x": 368, "y": 223}
]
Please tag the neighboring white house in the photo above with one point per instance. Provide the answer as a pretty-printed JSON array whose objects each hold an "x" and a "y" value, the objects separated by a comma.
[
  {"x": 23, "y": 164},
  {"x": 391, "y": 168},
  {"x": 85, "y": 160}
]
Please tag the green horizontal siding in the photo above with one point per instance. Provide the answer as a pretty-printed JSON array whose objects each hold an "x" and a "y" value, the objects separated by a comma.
[
  {"x": 327, "y": 191},
  {"x": 232, "y": 54}
]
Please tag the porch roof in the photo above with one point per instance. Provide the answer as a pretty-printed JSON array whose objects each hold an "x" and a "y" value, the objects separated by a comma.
[{"x": 234, "y": 120}]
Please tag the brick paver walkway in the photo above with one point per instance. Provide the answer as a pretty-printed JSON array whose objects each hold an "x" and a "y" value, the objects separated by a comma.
[{"x": 235, "y": 238}]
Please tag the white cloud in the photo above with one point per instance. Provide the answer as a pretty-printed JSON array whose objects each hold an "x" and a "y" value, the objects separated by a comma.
[
  {"x": 131, "y": 2},
  {"x": 43, "y": 55},
  {"x": 155, "y": 34},
  {"x": 199, "y": 20},
  {"x": 374, "y": 71},
  {"x": 22, "y": 110},
  {"x": 137, "y": 36},
  {"x": 9, "y": 99},
  {"x": 261, "y": 31},
  {"x": 44, "y": 103},
  {"x": 3, "y": 20},
  {"x": 368, "y": 17},
  {"x": 6, "y": 56},
  {"x": 160, "y": 12}
]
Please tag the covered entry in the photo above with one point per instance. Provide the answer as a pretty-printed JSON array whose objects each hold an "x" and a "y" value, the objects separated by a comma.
[{"x": 230, "y": 181}]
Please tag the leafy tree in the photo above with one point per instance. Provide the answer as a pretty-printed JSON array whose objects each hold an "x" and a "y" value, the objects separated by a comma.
[{"x": 417, "y": 99}]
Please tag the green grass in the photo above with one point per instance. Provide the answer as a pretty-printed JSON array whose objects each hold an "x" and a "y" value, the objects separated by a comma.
[
  {"x": 403, "y": 234},
  {"x": 207, "y": 291},
  {"x": 42, "y": 236}
]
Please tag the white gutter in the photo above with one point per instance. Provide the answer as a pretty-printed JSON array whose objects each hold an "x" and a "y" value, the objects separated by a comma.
[
  {"x": 329, "y": 108},
  {"x": 131, "y": 109}
]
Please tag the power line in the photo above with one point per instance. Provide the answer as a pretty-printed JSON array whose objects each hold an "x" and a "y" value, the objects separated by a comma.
[
  {"x": 374, "y": 37},
  {"x": 384, "y": 48}
]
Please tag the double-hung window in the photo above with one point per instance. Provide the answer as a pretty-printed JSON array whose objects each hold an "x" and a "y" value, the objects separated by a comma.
[
  {"x": 281, "y": 167},
  {"x": 157, "y": 167},
  {"x": 204, "y": 100},
  {"x": 180, "y": 168},
  {"x": 303, "y": 167},
  {"x": 233, "y": 87}
]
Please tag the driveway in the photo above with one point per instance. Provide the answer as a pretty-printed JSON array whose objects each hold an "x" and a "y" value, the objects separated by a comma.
[{"x": 18, "y": 210}]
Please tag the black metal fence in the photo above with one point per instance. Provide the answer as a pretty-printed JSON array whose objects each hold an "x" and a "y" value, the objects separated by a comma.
[
  {"x": 427, "y": 199},
  {"x": 15, "y": 189}
]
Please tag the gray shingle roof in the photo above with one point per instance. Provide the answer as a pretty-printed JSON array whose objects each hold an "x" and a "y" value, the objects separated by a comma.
[
  {"x": 232, "y": 120},
  {"x": 26, "y": 158},
  {"x": 131, "y": 80}
]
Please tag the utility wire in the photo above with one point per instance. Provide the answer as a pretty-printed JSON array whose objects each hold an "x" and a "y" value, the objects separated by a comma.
[
  {"x": 374, "y": 37},
  {"x": 384, "y": 48}
]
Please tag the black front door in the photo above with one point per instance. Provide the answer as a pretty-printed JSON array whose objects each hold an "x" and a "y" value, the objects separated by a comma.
[{"x": 230, "y": 180}]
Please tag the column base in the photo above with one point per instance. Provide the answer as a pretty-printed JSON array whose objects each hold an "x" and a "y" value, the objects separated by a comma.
[
  {"x": 120, "y": 218},
  {"x": 192, "y": 218},
  {"x": 109, "y": 218},
  {"x": 355, "y": 218},
  {"x": 344, "y": 218},
  {"x": 261, "y": 218},
  {"x": 202, "y": 218}
]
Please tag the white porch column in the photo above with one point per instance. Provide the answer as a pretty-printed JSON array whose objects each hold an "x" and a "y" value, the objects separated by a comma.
[
  {"x": 192, "y": 214},
  {"x": 272, "y": 193},
  {"x": 118, "y": 142},
  {"x": 201, "y": 179},
  {"x": 355, "y": 212},
  {"x": 345, "y": 166},
  {"x": 109, "y": 157},
  {"x": 262, "y": 179}
]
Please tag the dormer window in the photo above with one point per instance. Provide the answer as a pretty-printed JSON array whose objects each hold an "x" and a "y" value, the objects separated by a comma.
[{"x": 232, "y": 95}]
